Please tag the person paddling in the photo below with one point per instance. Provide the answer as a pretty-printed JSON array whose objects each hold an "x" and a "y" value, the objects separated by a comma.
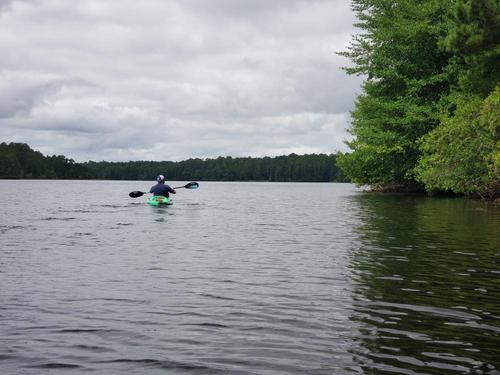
[{"x": 160, "y": 188}]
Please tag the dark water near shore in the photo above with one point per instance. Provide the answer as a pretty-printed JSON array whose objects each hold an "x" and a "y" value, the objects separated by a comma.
[{"x": 245, "y": 278}]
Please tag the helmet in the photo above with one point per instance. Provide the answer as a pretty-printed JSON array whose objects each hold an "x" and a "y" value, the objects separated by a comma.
[{"x": 160, "y": 178}]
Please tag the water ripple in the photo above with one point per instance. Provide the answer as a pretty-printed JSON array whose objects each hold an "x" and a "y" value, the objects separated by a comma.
[{"x": 312, "y": 279}]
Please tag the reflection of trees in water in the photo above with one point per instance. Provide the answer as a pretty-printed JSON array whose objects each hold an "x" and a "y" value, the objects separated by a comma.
[{"x": 428, "y": 290}]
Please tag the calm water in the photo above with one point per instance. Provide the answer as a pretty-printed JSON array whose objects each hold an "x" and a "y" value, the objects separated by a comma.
[{"x": 245, "y": 278}]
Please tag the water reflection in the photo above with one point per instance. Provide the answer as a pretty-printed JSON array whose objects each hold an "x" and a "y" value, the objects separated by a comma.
[{"x": 427, "y": 286}]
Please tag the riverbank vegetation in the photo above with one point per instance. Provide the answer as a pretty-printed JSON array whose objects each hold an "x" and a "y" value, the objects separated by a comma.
[
  {"x": 429, "y": 114},
  {"x": 18, "y": 160}
]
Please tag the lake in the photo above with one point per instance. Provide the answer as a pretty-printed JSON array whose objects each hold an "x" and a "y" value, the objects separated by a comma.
[{"x": 245, "y": 278}]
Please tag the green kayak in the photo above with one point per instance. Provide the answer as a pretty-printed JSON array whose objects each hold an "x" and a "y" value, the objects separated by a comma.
[{"x": 159, "y": 200}]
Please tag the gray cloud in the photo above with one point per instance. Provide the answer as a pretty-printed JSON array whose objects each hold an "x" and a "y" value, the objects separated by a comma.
[{"x": 169, "y": 80}]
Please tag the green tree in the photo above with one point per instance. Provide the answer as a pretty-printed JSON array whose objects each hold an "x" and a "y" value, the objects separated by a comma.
[
  {"x": 9, "y": 164},
  {"x": 474, "y": 40},
  {"x": 398, "y": 52},
  {"x": 462, "y": 155}
]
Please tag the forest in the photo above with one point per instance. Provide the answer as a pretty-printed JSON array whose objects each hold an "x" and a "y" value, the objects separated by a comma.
[
  {"x": 18, "y": 160},
  {"x": 428, "y": 117}
]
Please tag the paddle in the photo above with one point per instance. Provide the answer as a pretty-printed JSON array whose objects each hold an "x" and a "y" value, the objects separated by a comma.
[{"x": 190, "y": 185}]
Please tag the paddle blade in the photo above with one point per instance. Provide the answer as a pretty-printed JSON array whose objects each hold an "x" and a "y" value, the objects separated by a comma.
[
  {"x": 136, "y": 194},
  {"x": 191, "y": 185}
]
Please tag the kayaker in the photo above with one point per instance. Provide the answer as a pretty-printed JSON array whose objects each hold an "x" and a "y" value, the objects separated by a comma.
[{"x": 160, "y": 188}]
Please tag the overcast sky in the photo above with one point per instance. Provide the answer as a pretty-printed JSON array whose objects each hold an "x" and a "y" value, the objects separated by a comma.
[{"x": 173, "y": 79}]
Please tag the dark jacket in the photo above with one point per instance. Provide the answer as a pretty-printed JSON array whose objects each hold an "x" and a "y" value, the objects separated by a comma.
[{"x": 161, "y": 189}]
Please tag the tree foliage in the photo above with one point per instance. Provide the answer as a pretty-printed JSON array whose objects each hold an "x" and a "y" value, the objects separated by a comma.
[
  {"x": 462, "y": 155},
  {"x": 474, "y": 40},
  {"x": 18, "y": 160},
  {"x": 398, "y": 52},
  {"x": 298, "y": 168},
  {"x": 429, "y": 64}
]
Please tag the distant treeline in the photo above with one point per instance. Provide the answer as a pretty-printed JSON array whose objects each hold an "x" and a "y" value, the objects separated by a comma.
[{"x": 18, "y": 160}]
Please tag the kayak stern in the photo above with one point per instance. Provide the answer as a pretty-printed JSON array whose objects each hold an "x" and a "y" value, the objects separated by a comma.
[{"x": 160, "y": 200}]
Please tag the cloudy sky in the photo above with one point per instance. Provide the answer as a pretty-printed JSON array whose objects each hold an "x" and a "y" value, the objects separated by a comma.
[{"x": 173, "y": 79}]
